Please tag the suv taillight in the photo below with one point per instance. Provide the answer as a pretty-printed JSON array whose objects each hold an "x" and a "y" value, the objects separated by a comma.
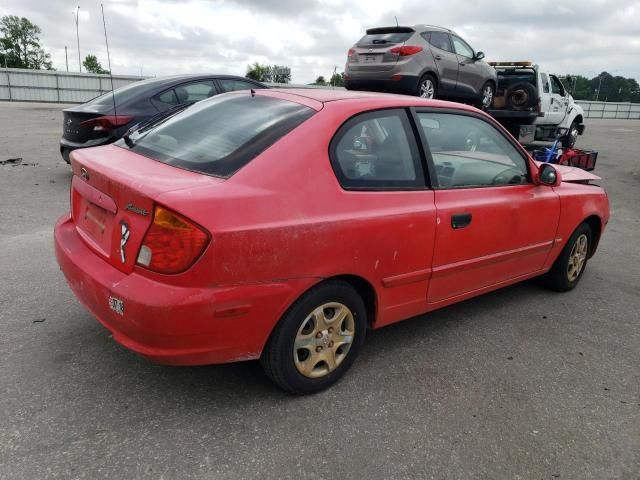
[
  {"x": 406, "y": 50},
  {"x": 106, "y": 123},
  {"x": 172, "y": 244},
  {"x": 351, "y": 52}
]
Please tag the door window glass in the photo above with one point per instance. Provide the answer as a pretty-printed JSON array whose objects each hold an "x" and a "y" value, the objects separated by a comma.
[
  {"x": 230, "y": 84},
  {"x": 441, "y": 40},
  {"x": 168, "y": 97},
  {"x": 377, "y": 150},
  {"x": 194, "y": 92},
  {"x": 469, "y": 152},
  {"x": 545, "y": 83},
  {"x": 461, "y": 47},
  {"x": 556, "y": 86}
]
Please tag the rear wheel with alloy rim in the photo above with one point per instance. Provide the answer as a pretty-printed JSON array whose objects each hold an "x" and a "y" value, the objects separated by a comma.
[
  {"x": 317, "y": 340},
  {"x": 572, "y": 261},
  {"x": 427, "y": 87}
]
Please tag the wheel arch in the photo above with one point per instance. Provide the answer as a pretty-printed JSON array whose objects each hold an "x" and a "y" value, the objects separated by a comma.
[
  {"x": 431, "y": 72},
  {"x": 595, "y": 223}
]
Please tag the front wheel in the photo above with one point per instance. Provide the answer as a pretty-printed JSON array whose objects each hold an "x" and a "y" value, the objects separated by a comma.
[
  {"x": 572, "y": 261},
  {"x": 427, "y": 87},
  {"x": 570, "y": 139},
  {"x": 317, "y": 340},
  {"x": 486, "y": 96}
]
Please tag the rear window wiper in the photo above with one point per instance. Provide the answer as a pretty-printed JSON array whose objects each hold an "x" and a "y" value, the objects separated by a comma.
[{"x": 152, "y": 122}]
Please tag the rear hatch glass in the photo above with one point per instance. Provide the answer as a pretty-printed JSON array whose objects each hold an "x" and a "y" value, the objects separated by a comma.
[
  {"x": 220, "y": 135},
  {"x": 372, "y": 52}
]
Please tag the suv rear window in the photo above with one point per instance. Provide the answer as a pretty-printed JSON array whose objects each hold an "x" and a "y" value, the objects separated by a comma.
[
  {"x": 382, "y": 36},
  {"x": 221, "y": 135}
]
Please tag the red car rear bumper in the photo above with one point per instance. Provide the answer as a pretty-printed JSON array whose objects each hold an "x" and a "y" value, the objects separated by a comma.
[{"x": 170, "y": 324}]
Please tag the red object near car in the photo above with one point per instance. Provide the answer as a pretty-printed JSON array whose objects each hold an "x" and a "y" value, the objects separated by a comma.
[{"x": 282, "y": 224}]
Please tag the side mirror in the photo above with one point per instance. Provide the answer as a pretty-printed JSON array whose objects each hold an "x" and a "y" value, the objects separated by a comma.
[
  {"x": 549, "y": 175},
  {"x": 479, "y": 55}
]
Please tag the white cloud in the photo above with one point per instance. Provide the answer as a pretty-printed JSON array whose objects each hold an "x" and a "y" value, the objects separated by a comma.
[{"x": 312, "y": 36}]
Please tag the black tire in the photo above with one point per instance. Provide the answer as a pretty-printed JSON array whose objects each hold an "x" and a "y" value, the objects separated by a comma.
[
  {"x": 484, "y": 99},
  {"x": 521, "y": 96},
  {"x": 278, "y": 356},
  {"x": 426, "y": 80},
  {"x": 570, "y": 139},
  {"x": 559, "y": 278}
]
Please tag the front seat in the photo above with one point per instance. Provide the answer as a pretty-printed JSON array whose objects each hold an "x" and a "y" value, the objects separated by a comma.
[{"x": 182, "y": 94}]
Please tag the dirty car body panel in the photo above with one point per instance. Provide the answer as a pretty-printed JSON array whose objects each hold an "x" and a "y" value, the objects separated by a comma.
[{"x": 308, "y": 207}]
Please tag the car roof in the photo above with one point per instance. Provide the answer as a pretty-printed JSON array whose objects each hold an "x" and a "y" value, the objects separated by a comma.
[{"x": 316, "y": 97}]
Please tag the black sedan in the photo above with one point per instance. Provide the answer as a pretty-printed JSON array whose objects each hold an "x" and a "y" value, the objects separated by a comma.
[{"x": 97, "y": 123}]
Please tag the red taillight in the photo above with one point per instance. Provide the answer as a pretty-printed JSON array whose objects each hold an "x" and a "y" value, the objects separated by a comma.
[
  {"x": 108, "y": 122},
  {"x": 172, "y": 243},
  {"x": 351, "y": 52},
  {"x": 406, "y": 50}
]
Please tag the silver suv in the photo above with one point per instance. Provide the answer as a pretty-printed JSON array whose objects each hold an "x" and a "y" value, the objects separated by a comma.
[{"x": 428, "y": 61}]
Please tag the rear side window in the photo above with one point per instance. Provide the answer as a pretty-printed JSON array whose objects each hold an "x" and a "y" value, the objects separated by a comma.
[
  {"x": 441, "y": 40},
  {"x": 221, "y": 135},
  {"x": 377, "y": 150},
  {"x": 194, "y": 92}
]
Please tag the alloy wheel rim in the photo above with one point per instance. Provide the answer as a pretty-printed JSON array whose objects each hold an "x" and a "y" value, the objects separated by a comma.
[
  {"x": 487, "y": 98},
  {"x": 577, "y": 257},
  {"x": 426, "y": 89},
  {"x": 323, "y": 340}
]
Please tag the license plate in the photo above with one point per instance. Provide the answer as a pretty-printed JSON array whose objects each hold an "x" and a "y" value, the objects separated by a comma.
[
  {"x": 370, "y": 58},
  {"x": 116, "y": 305},
  {"x": 527, "y": 133}
]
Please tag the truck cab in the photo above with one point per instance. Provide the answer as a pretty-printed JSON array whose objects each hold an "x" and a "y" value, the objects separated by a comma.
[{"x": 535, "y": 105}]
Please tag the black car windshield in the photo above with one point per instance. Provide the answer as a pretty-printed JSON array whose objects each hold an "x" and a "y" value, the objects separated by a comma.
[
  {"x": 220, "y": 135},
  {"x": 126, "y": 93}
]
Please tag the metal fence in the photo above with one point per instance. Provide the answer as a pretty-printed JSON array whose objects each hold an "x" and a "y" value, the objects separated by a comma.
[
  {"x": 625, "y": 111},
  {"x": 53, "y": 86}
]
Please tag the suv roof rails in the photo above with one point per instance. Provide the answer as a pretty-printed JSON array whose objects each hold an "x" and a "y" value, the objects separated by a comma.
[{"x": 425, "y": 25}]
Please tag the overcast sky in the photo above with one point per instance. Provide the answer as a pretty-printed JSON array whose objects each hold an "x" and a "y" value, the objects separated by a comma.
[{"x": 158, "y": 37}]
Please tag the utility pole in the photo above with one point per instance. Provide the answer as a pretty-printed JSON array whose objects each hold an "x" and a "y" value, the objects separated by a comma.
[
  {"x": 599, "y": 85},
  {"x": 66, "y": 58},
  {"x": 75, "y": 17}
]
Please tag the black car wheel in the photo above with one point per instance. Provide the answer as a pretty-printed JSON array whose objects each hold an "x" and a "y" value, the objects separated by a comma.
[
  {"x": 572, "y": 261},
  {"x": 427, "y": 87},
  {"x": 486, "y": 96},
  {"x": 521, "y": 96},
  {"x": 317, "y": 340},
  {"x": 570, "y": 139}
]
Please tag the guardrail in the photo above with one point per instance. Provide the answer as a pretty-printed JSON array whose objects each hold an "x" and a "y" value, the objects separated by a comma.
[
  {"x": 621, "y": 110},
  {"x": 52, "y": 86}
]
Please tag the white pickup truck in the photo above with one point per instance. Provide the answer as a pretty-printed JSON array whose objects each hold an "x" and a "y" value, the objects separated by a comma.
[{"x": 535, "y": 105}]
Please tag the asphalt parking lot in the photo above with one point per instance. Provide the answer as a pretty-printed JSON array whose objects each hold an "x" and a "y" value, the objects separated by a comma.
[{"x": 518, "y": 384}]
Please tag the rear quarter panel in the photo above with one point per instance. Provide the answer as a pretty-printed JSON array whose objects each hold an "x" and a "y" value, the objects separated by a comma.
[{"x": 285, "y": 216}]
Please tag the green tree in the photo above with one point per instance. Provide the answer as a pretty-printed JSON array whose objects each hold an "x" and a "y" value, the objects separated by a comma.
[
  {"x": 20, "y": 44},
  {"x": 279, "y": 74},
  {"x": 91, "y": 64},
  {"x": 337, "y": 79},
  {"x": 258, "y": 72},
  {"x": 320, "y": 81}
]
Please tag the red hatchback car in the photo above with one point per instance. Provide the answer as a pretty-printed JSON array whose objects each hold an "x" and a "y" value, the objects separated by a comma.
[{"x": 282, "y": 224}]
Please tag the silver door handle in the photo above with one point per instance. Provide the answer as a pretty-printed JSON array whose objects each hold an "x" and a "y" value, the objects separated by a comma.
[
  {"x": 462, "y": 64},
  {"x": 438, "y": 57}
]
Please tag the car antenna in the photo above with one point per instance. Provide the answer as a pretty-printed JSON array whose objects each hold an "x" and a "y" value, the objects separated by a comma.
[
  {"x": 106, "y": 41},
  {"x": 253, "y": 92},
  {"x": 397, "y": 24}
]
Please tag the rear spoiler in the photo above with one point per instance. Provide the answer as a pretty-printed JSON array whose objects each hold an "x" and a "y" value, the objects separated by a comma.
[{"x": 381, "y": 30}]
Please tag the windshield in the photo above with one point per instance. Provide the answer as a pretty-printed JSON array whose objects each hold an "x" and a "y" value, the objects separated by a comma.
[
  {"x": 220, "y": 135},
  {"x": 126, "y": 93}
]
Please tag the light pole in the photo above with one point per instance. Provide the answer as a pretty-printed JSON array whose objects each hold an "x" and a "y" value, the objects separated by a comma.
[{"x": 75, "y": 17}]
